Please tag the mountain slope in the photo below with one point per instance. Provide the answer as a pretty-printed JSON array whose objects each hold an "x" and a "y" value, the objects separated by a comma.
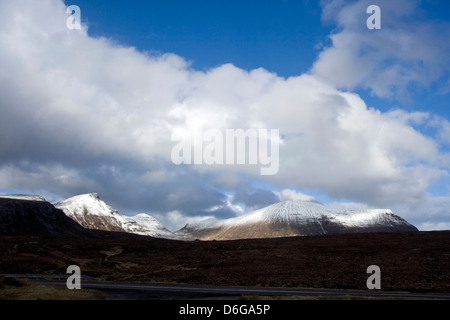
[
  {"x": 33, "y": 216},
  {"x": 92, "y": 213},
  {"x": 296, "y": 218}
]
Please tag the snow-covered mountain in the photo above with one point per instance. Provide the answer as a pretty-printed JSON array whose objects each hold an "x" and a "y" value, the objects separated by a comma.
[
  {"x": 296, "y": 218},
  {"x": 34, "y": 215},
  {"x": 93, "y": 213}
]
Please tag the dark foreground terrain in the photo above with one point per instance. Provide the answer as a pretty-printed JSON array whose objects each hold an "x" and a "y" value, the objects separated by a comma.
[{"x": 416, "y": 261}]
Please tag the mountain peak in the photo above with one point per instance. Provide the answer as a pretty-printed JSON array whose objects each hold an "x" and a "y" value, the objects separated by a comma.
[
  {"x": 85, "y": 196},
  {"x": 95, "y": 196},
  {"x": 93, "y": 213},
  {"x": 297, "y": 218}
]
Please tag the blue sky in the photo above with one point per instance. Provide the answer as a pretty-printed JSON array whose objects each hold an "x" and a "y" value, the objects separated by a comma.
[
  {"x": 281, "y": 36},
  {"x": 284, "y": 37},
  {"x": 364, "y": 114}
]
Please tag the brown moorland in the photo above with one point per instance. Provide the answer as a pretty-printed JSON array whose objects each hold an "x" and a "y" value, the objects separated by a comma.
[{"x": 409, "y": 261}]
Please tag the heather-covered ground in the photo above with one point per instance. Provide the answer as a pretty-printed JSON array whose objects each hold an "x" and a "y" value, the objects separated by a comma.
[{"x": 416, "y": 261}]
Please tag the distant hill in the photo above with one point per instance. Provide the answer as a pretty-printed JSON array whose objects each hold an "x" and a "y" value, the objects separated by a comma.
[{"x": 296, "y": 218}]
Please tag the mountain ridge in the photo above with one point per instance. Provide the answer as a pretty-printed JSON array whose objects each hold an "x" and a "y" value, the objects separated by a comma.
[
  {"x": 90, "y": 211},
  {"x": 21, "y": 216},
  {"x": 297, "y": 218},
  {"x": 282, "y": 219}
]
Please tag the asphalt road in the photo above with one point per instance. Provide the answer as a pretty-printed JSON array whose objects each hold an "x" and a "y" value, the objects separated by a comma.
[{"x": 163, "y": 291}]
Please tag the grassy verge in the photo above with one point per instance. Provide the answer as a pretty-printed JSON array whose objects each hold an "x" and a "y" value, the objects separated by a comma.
[{"x": 19, "y": 289}]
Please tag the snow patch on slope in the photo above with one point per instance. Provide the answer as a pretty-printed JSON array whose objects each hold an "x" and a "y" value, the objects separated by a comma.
[
  {"x": 93, "y": 213},
  {"x": 300, "y": 212},
  {"x": 362, "y": 218}
]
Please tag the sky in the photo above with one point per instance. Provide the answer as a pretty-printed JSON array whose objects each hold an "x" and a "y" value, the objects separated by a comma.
[{"x": 362, "y": 114}]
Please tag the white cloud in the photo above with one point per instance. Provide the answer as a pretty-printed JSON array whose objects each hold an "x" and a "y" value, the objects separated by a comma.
[
  {"x": 290, "y": 194},
  {"x": 444, "y": 129},
  {"x": 333, "y": 142},
  {"x": 37, "y": 178},
  {"x": 348, "y": 206},
  {"x": 386, "y": 61},
  {"x": 434, "y": 226},
  {"x": 87, "y": 113},
  {"x": 175, "y": 220},
  {"x": 427, "y": 212}
]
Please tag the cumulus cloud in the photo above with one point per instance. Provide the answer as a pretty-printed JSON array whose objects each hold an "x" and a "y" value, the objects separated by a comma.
[
  {"x": 408, "y": 50},
  {"x": 294, "y": 195},
  {"x": 255, "y": 199},
  {"x": 82, "y": 114},
  {"x": 427, "y": 213}
]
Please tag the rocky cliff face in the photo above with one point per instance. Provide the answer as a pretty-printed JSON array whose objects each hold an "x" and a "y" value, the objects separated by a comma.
[{"x": 35, "y": 217}]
